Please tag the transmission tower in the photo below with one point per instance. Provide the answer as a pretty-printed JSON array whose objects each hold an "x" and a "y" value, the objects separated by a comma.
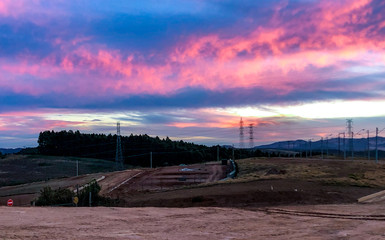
[
  {"x": 241, "y": 133},
  {"x": 119, "y": 155},
  {"x": 251, "y": 135},
  {"x": 349, "y": 128}
]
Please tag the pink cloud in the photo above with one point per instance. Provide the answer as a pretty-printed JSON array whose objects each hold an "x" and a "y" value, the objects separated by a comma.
[
  {"x": 212, "y": 118},
  {"x": 11, "y": 7},
  {"x": 32, "y": 122},
  {"x": 35, "y": 11},
  {"x": 274, "y": 57}
]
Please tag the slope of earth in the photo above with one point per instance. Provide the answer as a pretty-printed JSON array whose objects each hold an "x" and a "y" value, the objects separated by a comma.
[
  {"x": 168, "y": 178},
  {"x": 127, "y": 181},
  {"x": 260, "y": 182},
  {"x": 273, "y": 181},
  {"x": 193, "y": 223}
]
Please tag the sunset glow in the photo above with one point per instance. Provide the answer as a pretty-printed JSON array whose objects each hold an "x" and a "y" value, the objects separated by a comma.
[{"x": 190, "y": 69}]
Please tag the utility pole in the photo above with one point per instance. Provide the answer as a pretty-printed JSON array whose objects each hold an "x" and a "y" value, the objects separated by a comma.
[
  {"x": 358, "y": 133},
  {"x": 306, "y": 148},
  {"x": 241, "y": 133},
  {"x": 352, "y": 146},
  {"x": 339, "y": 145},
  {"x": 322, "y": 148},
  {"x": 349, "y": 127},
  {"x": 344, "y": 147},
  {"x": 150, "y": 159},
  {"x": 119, "y": 155},
  {"x": 368, "y": 145},
  {"x": 233, "y": 153},
  {"x": 376, "y": 144}
]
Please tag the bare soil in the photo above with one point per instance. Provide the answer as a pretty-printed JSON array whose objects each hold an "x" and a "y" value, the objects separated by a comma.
[
  {"x": 270, "y": 199},
  {"x": 270, "y": 182},
  {"x": 260, "y": 182},
  {"x": 249, "y": 194},
  {"x": 194, "y": 223},
  {"x": 122, "y": 183}
]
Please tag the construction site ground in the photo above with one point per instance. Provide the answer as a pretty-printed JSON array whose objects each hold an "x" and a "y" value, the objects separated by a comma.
[
  {"x": 350, "y": 221},
  {"x": 123, "y": 183},
  {"x": 269, "y": 182},
  {"x": 271, "y": 198}
]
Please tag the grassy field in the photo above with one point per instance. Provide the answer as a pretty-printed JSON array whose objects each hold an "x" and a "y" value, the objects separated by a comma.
[
  {"x": 328, "y": 172},
  {"x": 20, "y": 169}
]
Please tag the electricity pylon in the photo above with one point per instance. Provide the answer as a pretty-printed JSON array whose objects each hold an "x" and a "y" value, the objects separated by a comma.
[{"x": 119, "y": 155}]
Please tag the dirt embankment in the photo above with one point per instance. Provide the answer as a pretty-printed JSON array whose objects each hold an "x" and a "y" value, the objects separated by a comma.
[
  {"x": 270, "y": 182},
  {"x": 261, "y": 182},
  {"x": 123, "y": 183},
  {"x": 249, "y": 194}
]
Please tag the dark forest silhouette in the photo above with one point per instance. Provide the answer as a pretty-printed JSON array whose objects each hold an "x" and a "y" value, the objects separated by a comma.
[{"x": 136, "y": 148}]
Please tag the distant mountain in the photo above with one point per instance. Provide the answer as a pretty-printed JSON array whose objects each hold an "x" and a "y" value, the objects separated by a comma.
[
  {"x": 227, "y": 146},
  {"x": 10, "y": 150},
  {"x": 359, "y": 144}
]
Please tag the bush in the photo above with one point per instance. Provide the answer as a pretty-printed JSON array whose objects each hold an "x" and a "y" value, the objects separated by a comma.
[
  {"x": 92, "y": 187},
  {"x": 48, "y": 197},
  {"x": 64, "y": 196}
]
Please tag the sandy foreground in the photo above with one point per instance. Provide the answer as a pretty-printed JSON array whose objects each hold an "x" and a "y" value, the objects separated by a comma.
[{"x": 191, "y": 223}]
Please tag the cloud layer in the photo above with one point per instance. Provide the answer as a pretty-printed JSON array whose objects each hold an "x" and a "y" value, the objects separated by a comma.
[{"x": 128, "y": 56}]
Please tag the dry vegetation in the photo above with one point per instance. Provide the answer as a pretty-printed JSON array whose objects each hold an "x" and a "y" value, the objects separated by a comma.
[
  {"x": 21, "y": 169},
  {"x": 334, "y": 172}
]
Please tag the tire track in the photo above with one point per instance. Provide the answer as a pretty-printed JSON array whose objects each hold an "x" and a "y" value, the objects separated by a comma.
[
  {"x": 125, "y": 181},
  {"x": 323, "y": 215}
]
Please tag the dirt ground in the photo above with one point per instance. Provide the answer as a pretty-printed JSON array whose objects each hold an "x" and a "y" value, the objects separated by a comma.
[
  {"x": 269, "y": 182},
  {"x": 250, "y": 194},
  {"x": 164, "y": 178},
  {"x": 260, "y": 182},
  {"x": 291, "y": 222},
  {"x": 270, "y": 199},
  {"x": 122, "y": 183}
]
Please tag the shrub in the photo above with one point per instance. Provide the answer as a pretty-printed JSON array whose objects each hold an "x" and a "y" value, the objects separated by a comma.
[
  {"x": 61, "y": 196},
  {"x": 92, "y": 187},
  {"x": 64, "y": 196}
]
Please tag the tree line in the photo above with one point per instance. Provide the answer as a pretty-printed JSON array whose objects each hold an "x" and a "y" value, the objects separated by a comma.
[{"x": 136, "y": 148}]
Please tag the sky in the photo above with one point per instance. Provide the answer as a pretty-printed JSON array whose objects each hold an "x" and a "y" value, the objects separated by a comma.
[{"x": 191, "y": 69}]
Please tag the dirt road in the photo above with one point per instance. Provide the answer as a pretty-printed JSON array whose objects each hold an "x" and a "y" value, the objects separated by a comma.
[
  {"x": 189, "y": 223},
  {"x": 164, "y": 178}
]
